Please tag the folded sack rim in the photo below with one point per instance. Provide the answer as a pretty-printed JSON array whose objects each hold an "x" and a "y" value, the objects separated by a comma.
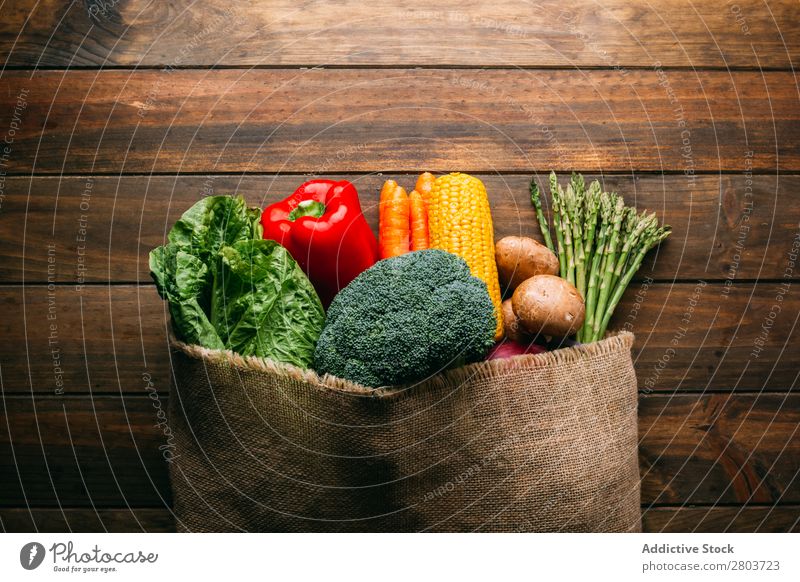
[{"x": 622, "y": 340}]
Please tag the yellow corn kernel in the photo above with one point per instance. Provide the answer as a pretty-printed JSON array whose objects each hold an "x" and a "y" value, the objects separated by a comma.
[{"x": 460, "y": 222}]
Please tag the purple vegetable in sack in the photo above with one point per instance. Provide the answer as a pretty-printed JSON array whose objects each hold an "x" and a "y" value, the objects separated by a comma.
[{"x": 509, "y": 348}]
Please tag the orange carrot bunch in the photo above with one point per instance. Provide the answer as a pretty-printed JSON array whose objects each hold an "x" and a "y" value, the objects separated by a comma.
[{"x": 403, "y": 221}]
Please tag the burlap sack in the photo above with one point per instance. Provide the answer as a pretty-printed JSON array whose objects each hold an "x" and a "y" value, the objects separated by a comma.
[{"x": 534, "y": 443}]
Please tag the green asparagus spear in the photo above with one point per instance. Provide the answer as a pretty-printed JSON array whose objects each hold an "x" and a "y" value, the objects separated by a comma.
[
  {"x": 606, "y": 212},
  {"x": 544, "y": 226},
  {"x": 562, "y": 256},
  {"x": 576, "y": 196},
  {"x": 590, "y": 223},
  {"x": 650, "y": 242},
  {"x": 607, "y": 269},
  {"x": 566, "y": 230},
  {"x": 635, "y": 225}
]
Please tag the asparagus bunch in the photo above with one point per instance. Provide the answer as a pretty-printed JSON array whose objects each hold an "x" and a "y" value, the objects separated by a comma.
[{"x": 600, "y": 244}]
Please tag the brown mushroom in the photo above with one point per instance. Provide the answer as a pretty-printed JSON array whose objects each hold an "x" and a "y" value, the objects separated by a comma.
[
  {"x": 550, "y": 305},
  {"x": 520, "y": 258}
]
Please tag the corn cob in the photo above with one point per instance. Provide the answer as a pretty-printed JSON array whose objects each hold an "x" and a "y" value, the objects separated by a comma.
[{"x": 460, "y": 222}]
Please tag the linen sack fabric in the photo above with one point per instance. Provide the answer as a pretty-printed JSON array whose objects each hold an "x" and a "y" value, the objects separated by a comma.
[{"x": 544, "y": 442}]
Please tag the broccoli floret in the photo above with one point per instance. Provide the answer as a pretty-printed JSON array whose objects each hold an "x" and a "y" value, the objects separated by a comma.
[{"x": 405, "y": 319}]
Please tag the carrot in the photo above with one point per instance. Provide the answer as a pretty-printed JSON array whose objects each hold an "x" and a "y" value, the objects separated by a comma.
[
  {"x": 386, "y": 191},
  {"x": 419, "y": 222},
  {"x": 425, "y": 184},
  {"x": 394, "y": 225}
]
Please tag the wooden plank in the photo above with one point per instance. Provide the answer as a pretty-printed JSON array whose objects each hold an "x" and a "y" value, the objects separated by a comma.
[
  {"x": 721, "y": 448},
  {"x": 20, "y": 520},
  {"x": 613, "y": 33},
  {"x": 104, "y": 339},
  {"x": 108, "y": 338},
  {"x": 696, "y": 449},
  {"x": 91, "y": 452},
  {"x": 703, "y": 336},
  {"x": 400, "y": 120},
  {"x": 742, "y": 519},
  {"x": 732, "y": 226}
]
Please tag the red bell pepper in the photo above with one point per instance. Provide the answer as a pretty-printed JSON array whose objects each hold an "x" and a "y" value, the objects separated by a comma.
[{"x": 322, "y": 226}]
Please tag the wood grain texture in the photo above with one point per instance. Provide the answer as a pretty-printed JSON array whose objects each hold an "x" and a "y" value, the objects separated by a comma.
[
  {"x": 722, "y": 519},
  {"x": 507, "y": 88},
  {"x": 152, "y": 520},
  {"x": 729, "y": 226},
  {"x": 107, "y": 338},
  {"x": 721, "y": 447},
  {"x": 322, "y": 121},
  {"x": 61, "y": 452},
  {"x": 695, "y": 449},
  {"x": 157, "y": 520},
  {"x": 410, "y": 32},
  {"x": 103, "y": 339}
]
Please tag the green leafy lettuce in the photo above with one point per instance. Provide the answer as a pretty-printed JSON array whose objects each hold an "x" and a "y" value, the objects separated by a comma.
[{"x": 227, "y": 288}]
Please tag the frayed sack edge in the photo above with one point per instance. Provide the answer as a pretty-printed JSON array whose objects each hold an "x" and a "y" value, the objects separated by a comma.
[{"x": 623, "y": 341}]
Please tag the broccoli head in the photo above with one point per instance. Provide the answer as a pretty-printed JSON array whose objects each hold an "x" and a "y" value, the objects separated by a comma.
[{"x": 406, "y": 318}]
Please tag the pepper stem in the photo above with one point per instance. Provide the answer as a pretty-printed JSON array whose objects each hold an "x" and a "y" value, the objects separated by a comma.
[{"x": 307, "y": 208}]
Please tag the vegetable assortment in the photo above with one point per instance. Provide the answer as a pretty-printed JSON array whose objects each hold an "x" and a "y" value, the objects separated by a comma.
[
  {"x": 461, "y": 223},
  {"x": 449, "y": 213},
  {"x": 322, "y": 226},
  {"x": 601, "y": 243},
  {"x": 423, "y": 296}
]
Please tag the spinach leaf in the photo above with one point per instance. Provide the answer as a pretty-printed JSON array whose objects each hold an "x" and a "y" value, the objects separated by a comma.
[
  {"x": 214, "y": 222},
  {"x": 270, "y": 308},
  {"x": 181, "y": 278},
  {"x": 228, "y": 288}
]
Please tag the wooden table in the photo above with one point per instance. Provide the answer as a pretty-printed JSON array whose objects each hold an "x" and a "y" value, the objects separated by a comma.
[{"x": 119, "y": 114}]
